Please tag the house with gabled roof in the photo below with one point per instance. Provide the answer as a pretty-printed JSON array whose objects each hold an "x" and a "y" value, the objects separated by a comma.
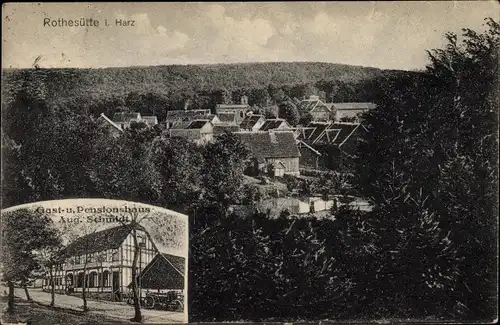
[
  {"x": 175, "y": 116},
  {"x": 252, "y": 122},
  {"x": 124, "y": 119},
  {"x": 239, "y": 110},
  {"x": 275, "y": 124},
  {"x": 272, "y": 148},
  {"x": 115, "y": 129},
  {"x": 319, "y": 110},
  {"x": 199, "y": 131},
  {"x": 101, "y": 262},
  {"x": 164, "y": 272},
  {"x": 351, "y": 110}
]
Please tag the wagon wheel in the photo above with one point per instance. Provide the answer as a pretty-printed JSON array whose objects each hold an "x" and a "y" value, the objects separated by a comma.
[
  {"x": 149, "y": 302},
  {"x": 177, "y": 305}
]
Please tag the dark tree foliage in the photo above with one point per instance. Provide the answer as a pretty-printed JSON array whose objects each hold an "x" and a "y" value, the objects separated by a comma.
[
  {"x": 293, "y": 268},
  {"x": 24, "y": 233},
  {"x": 430, "y": 166},
  {"x": 259, "y": 97},
  {"x": 179, "y": 164},
  {"x": 223, "y": 182},
  {"x": 288, "y": 110}
]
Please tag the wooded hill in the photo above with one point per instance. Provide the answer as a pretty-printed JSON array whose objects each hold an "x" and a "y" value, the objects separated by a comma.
[
  {"x": 176, "y": 83},
  {"x": 197, "y": 77}
]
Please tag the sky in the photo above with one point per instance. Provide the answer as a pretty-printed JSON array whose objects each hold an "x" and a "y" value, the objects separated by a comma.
[
  {"x": 166, "y": 221},
  {"x": 390, "y": 34}
]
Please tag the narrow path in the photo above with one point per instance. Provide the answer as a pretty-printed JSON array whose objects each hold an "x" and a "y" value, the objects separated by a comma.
[{"x": 118, "y": 310}]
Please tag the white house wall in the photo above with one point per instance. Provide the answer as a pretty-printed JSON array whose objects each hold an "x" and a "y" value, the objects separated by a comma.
[{"x": 122, "y": 264}]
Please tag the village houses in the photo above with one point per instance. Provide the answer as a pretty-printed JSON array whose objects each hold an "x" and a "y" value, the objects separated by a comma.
[
  {"x": 319, "y": 110},
  {"x": 200, "y": 132},
  {"x": 252, "y": 122},
  {"x": 125, "y": 119},
  {"x": 114, "y": 129},
  {"x": 174, "y": 116},
  {"x": 276, "y": 150},
  {"x": 323, "y": 112},
  {"x": 239, "y": 110},
  {"x": 275, "y": 124}
]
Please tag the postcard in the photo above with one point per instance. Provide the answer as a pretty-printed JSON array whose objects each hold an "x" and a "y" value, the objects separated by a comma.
[{"x": 286, "y": 162}]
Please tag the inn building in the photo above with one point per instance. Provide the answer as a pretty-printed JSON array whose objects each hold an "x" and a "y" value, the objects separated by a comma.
[{"x": 102, "y": 263}]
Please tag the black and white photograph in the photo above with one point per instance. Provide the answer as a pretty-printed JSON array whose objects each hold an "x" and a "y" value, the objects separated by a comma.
[
  {"x": 320, "y": 162},
  {"x": 74, "y": 261}
]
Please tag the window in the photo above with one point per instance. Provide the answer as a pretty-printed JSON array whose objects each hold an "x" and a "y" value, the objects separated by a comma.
[
  {"x": 79, "y": 280},
  {"x": 116, "y": 256},
  {"x": 105, "y": 279},
  {"x": 93, "y": 280},
  {"x": 77, "y": 260},
  {"x": 69, "y": 279}
]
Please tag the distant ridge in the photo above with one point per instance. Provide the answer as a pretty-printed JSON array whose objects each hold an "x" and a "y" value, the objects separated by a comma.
[{"x": 166, "y": 78}]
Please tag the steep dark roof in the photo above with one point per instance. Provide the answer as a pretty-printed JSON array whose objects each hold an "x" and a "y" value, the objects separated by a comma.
[
  {"x": 178, "y": 262},
  {"x": 196, "y": 124},
  {"x": 272, "y": 124},
  {"x": 99, "y": 241},
  {"x": 108, "y": 121},
  {"x": 180, "y": 125},
  {"x": 221, "y": 128},
  {"x": 121, "y": 117},
  {"x": 354, "y": 106},
  {"x": 165, "y": 271},
  {"x": 278, "y": 144},
  {"x": 250, "y": 121}
]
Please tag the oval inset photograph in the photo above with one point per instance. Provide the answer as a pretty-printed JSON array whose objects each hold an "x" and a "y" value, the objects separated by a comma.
[{"x": 94, "y": 260}]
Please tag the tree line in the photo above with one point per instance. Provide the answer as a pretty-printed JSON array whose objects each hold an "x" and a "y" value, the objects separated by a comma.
[{"x": 155, "y": 90}]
